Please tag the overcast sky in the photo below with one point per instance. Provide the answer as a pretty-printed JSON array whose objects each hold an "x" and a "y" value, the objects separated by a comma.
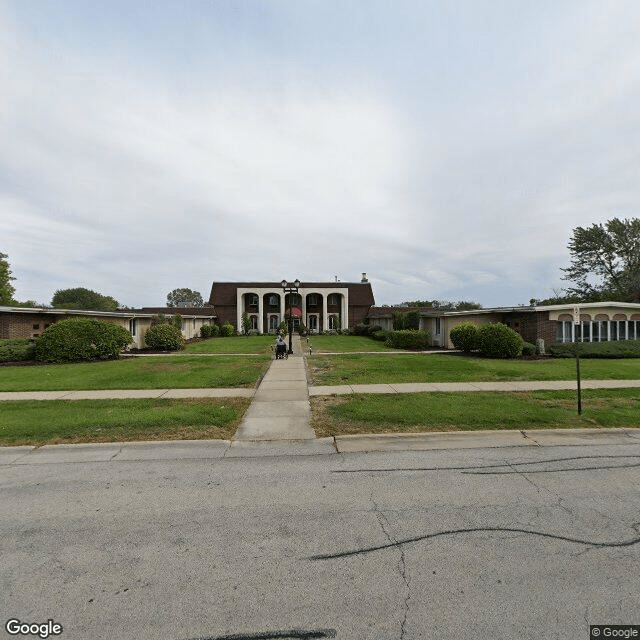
[{"x": 446, "y": 148}]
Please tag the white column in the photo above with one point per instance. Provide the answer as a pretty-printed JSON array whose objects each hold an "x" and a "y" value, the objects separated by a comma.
[
  {"x": 609, "y": 331},
  {"x": 260, "y": 318},
  {"x": 303, "y": 307},
  {"x": 281, "y": 307},
  {"x": 345, "y": 310},
  {"x": 573, "y": 332},
  {"x": 239, "y": 304},
  {"x": 325, "y": 316}
]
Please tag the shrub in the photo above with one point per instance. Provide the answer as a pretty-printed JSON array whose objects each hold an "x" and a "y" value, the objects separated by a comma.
[
  {"x": 380, "y": 335},
  {"x": 209, "y": 330},
  {"x": 74, "y": 340},
  {"x": 529, "y": 349},
  {"x": 621, "y": 349},
  {"x": 227, "y": 330},
  {"x": 17, "y": 350},
  {"x": 302, "y": 329},
  {"x": 166, "y": 337},
  {"x": 465, "y": 337},
  {"x": 499, "y": 341},
  {"x": 408, "y": 339}
]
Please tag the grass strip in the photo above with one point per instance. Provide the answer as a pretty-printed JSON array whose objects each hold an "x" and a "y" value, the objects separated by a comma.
[
  {"x": 75, "y": 421},
  {"x": 435, "y": 367},
  {"x": 343, "y": 344},
  {"x": 162, "y": 372},
  {"x": 423, "y": 412},
  {"x": 258, "y": 344}
]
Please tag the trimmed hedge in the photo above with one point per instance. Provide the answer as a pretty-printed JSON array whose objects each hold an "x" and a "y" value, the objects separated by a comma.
[
  {"x": 209, "y": 331},
  {"x": 17, "y": 350},
  {"x": 79, "y": 339},
  {"x": 227, "y": 330},
  {"x": 499, "y": 341},
  {"x": 166, "y": 337},
  {"x": 529, "y": 349},
  {"x": 465, "y": 337},
  {"x": 620, "y": 349},
  {"x": 408, "y": 339}
]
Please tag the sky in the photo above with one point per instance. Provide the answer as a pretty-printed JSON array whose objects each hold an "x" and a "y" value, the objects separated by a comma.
[{"x": 447, "y": 149}]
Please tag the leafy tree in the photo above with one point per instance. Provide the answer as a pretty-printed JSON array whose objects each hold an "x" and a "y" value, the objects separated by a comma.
[
  {"x": 81, "y": 298},
  {"x": 6, "y": 288},
  {"x": 444, "y": 305},
  {"x": 605, "y": 261},
  {"x": 184, "y": 298}
]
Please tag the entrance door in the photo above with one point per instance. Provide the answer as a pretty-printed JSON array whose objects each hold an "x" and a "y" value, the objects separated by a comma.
[{"x": 313, "y": 323}]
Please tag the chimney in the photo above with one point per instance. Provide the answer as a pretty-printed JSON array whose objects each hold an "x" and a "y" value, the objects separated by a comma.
[{"x": 364, "y": 277}]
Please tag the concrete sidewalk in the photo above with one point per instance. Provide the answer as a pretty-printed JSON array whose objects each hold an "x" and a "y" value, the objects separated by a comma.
[
  {"x": 280, "y": 409},
  {"x": 276, "y": 380}
]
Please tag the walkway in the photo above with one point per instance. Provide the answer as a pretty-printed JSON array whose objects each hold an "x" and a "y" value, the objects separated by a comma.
[{"x": 280, "y": 409}]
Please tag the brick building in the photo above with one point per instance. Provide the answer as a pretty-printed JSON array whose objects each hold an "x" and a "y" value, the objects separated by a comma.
[
  {"x": 320, "y": 306},
  {"x": 598, "y": 321}
]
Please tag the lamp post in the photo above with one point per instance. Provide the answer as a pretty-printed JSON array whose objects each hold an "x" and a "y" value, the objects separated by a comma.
[{"x": 290, "y": 289}]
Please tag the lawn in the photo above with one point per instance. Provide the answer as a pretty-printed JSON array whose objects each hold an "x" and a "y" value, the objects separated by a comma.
[
  {"x": 258, "y": 344},
  {"x": 425, "y": 367},
  {"x": 74, "y": 421},
  {"x": 162, "y": 372},
  {"x": 343, "y": 344},
  {"x": 423, "y": 412}
]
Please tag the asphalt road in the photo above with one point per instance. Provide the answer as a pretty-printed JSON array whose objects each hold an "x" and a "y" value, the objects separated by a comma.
[{"x": 514, "y": 543}]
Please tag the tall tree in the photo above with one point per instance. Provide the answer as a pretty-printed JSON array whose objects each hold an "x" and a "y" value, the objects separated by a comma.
[
  {"x": 605, "y": 261},
  {"x": 81, "y": 298},
  {"x": 6, "y": 288},
  {"x": 184, "y": 298}
]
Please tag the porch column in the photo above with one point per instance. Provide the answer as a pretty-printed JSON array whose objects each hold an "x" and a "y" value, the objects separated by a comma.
[
  {"x": 303, "y": 307},
  {"x": 260, "y": 318},
  {"x": 344, "y": 320},
  {"x": 325, "y": 317},
  {"x": 281, "y": 307},
  {"x": 239, "y": 309}
]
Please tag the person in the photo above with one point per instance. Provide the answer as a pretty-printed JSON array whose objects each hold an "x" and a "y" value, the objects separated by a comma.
[{"x": 281, "y": 346}]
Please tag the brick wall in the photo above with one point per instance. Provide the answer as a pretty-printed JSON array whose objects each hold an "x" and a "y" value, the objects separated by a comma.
[{"x": 25, "y": 325}]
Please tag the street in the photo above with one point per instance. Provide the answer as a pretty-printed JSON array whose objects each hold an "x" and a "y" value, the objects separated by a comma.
[{"x": 510, "y": 543}]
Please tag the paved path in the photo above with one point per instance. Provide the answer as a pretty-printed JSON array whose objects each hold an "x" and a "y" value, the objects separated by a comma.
[
  {"x": 278, "y": 368},
  {"x": 280, "y": 409}
]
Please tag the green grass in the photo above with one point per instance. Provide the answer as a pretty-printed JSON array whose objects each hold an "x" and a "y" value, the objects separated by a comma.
[
  {"x": 344, "y": 344},
  {"x": 234, "y": 344},
  {"x": 74, "y": 421},
  {"x": 419, "y": 367},
  {"x": 422, "y": 412},
  {"x": 177, "y": 372}
]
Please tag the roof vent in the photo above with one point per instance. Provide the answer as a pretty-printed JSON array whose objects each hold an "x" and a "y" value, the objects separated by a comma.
[{"x": 364, "y": 277}]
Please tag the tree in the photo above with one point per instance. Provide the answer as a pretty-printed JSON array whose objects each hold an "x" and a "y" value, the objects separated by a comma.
[
  {"x": 246, "y": 324},
  {"x": 605, "y": 261},
  {"x": 6, "y": 288},
  {"x": 184, "y": 298},
  {"x": 81, "y": 298}
]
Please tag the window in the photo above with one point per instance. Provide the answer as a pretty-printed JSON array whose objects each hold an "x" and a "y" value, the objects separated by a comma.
[
  {"x": 36, "y": 326},
  {"x": 312, "y": 300},
  {"x": 133, "y": 326},
  {"x": 437, "y": 326},
  {"x": 272, "y": 301},
  {"x": 252, "y": 300},
  {"x": 334, "y": 298}
]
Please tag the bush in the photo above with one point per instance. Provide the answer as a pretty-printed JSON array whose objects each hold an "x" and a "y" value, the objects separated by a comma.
[
  {"x": 408, "y": 339},
  {"x": 465, "y": 337},
  {"x": 227, "y": 330},
  {"x": 17, "y": 350},
  {"x": 621, "y": 349},
  {"x": 380, "y": 335},
  {"x": 166, "y": 337},
  {"x": 529, "y": 349},
  {"x": 75, "y": 340},
  {"x": 209, "y": 330},
  {"x": 499, "y": 341},
  {"x": 302, "y": 329}
]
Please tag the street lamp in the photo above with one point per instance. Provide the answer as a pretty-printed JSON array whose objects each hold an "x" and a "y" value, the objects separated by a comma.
[{"x": 290, "y": 289}]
